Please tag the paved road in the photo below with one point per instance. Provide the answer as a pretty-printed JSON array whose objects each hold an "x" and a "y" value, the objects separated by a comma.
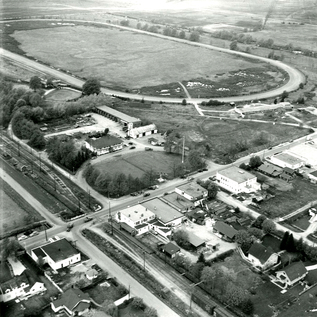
[{"x": 295, "y": 76}]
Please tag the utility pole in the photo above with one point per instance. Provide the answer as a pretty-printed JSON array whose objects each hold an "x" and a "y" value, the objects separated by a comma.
[
  {"x": 110, "y": 218},
  {"x": 88, "y": 198},
  {"x": 45, "y": 232},
  {"x": 144, "y": 260},
  {"x": 183, "y": 151}
]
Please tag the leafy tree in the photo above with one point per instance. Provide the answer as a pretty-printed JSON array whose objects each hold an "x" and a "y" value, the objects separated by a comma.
[
  {"x": 181, "y": 238},
  {"x": 208, "y": 275},
  {"x": 196, "y": 269},
  {"x": 268, "y": 226},
  {"x": 259, "y": 221},
  {"x": 257, "y": 233},
  {"x": 37, "y": 140},
  {"x": 184, "y": 102},
  {"x": 247, "y": 306},
  {"x": 255, "y": 162},
  {"x": 300, "y": 246},
  {"x": 234, "y": 46},
  {"x": 212, "y": 190},
  {"x": 167, "y": 31},
  {"x": 91, "y": 86},
  {"x": 35, "y": 83},
  {"x": 182, "y": 35},
  {"x": 194, "y": 36},
  {"x": 290, "y": 244},
  {"x": 244, "y": 239},
  {"x": 201, "y": 258},
  {"x": 284, "y": 95},
  {"x": 139, "y": 26},
  {"x": 138, "y": 303},
  {"x": 106, "y": 132}
]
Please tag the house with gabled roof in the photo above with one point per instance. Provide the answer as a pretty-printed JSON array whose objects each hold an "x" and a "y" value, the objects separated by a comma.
[
  {"x": 261, "y": 256},
  {"x": 270, "y": 169},
  {"x": 73, "y": 301},
  {"x": 142, "y": 131},
  {"x": 227, "y": 232},
  {"x": 192, "y": 192},
  {"x": 105, "y": 144},
  {"x": 290, "y": 275},
  {"x": 170, "y": 249},
  {"x": 56, "y": 254}
]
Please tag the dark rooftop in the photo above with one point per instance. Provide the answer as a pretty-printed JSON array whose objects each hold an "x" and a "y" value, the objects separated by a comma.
[
  {"x": 104, "y": 141},
  {"x": 260, "y": 252},
  {"x": 225, "y": 229}
]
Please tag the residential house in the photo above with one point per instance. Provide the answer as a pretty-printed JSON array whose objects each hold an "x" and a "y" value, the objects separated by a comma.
[
  {"x": 270, "y": 169},
  {"x": 192, "y": 192},
  {"x": 197, "y": 216},
  {"x": 195, "y": 241},
  {"x": 158, "y": 227},
  {"x": 262, "y": 257},
  {"x": 73, "y": 302},
  {"x": 170, "y": 249},
  {"x": 135, "y": 219},
  {"x": 56, "y": 254},
  {"x": 290, "y": 275},
  {"x": 19, "y": 287},
  {"x": 237, "y": 180},
  {"x": 140, "y": 132},
  {"x": 104, "y": 144},
  {"x": 227, "y": 232},
  {"x": 285, "y": 159},
  {"x": 117, "y": 116},
  {"x": 91, "y": 274}
]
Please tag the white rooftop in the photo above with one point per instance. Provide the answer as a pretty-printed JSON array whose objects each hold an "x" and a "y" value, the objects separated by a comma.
[
  {"x": 137, "y": 212},
  {"x": 236, "y": 174}
]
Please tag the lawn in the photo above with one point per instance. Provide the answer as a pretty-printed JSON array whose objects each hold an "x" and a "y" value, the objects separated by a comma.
[
  {"x": 286, "y": 202},
  {"x": 302, "y": 222},
  {"x": 138, "y": 163},
  {"x": 15, "y": 212},
  {"x": 62, "y": 95},
  {"x": 140, "y": 60}
]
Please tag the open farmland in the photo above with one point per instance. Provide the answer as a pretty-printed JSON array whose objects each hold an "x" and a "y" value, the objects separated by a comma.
[
  {"x": 138, "y": 163},
  {"x": 126, "y": 59}
]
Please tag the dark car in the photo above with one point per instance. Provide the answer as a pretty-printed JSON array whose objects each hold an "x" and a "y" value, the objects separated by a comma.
[
  {"x": 132, "y": 147},
  {"x": 146, "y": 194},
  {"x": 87, "y": 219},
  {"x": 134, "y": 194},
  {"x": 131, "y": 143}
]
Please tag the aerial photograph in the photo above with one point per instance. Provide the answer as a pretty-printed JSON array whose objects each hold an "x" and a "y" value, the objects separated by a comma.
[{"x": 158, "y": 158}]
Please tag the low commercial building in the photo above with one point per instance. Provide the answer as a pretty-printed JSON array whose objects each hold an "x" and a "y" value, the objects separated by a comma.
[
  {"x": 140, "y": 132},
  {"x": 306, "y": 152},
  {"x": 104, "y": 144},
  {"x": 192, "y": 192},
  {"x": 117, "y": 116},
  {"x": 312, "y": 176},
  {"x": 135, "y": 219},
  {"x": 237, "y": 180},
  {"x": 164, "y": 212},
  {"x": 56, "y": 254},
  {"x": 179, "y": 202},
  {"x": 286, "y": 159}
]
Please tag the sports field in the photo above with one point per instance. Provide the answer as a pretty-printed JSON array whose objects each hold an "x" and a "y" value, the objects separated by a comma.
[
  {"x": 138, "y": 163},
  {"x": 124, "y": 58},
  {"x": 63, "y": 95}
]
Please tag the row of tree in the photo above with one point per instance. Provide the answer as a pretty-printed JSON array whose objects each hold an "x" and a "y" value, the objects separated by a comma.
[{"x": 119, "y": 184}]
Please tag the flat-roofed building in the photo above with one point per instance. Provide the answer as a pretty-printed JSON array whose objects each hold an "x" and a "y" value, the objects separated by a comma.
[
  {"x": 179, "y": 202},
  {"x": 237, "y": 180},
  {"x": 136, "y": 217},
  {"x": 104, "y": 144},
  {"x": 57, "y": 254},
  {"x": 166, "y": 213},
  {"x": 192, "y": 192},
  {"x": 286, "y": 159},
  {"x": 306, "y": 152},
  {"x": 117, "y": 116}
]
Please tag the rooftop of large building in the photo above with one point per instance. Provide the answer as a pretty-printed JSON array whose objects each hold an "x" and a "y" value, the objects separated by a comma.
[
  {"x": 137, "y": 212},
  {"x": 288, "y": 158},
  {"x": 192, "y": 189},
  {"x": 162, "y": 210},
  {"x": 236, "y": 174},
  {"x": 118, "y": 114},
  {"x": 104, "y": 141}
]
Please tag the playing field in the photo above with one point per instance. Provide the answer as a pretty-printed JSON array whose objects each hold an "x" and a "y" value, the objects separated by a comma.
[
  {"x": 124, "y": 58},
  {"x": 138, "y": 163}
]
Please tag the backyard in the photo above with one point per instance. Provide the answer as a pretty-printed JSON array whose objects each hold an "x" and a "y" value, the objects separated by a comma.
[{"x": 288, "y": 201}]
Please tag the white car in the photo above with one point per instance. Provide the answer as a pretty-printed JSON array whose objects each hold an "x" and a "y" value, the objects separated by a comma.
[
  {"x": 34, "y": 233},
  {"x": 23, "y": 237}
]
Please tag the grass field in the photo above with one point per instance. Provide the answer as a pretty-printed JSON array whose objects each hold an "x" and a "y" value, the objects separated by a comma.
[
  {"x": 11, "y": 214},
  {"x": 218, "y": 134},
  {"x": 62, "y": 95},
  {"x": 138, "y": 163},
  {"x": 287, "y": 201},
  {"x": 123, "y": 58}
]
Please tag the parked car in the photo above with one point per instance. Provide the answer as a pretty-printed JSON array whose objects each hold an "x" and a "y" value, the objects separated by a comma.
[
  {"x": 131, "y": 143},
  {"x": 132, "y": 147},
  {"x": 23, "y": 237},
  {"x": 34, "y": 233},
  {"x": 205, "y": 169},
  {"x": 87, "y": 219},
  {"x": 134, "y": 194},
  {"x": 154, "y": 187},
  {"x": 146, "y": 194},
  {"x": 148, "y": 149},
  {"x": 212, "y": 178}
]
